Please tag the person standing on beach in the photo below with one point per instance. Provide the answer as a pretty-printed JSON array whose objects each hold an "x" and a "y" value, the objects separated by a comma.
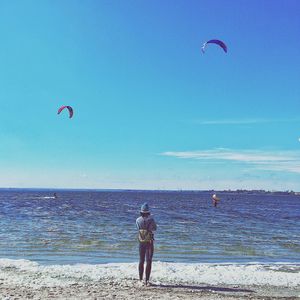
[{"x": 145, "y": 225}]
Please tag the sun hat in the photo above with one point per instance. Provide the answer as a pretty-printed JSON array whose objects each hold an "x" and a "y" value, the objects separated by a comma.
[{"x": 145, "y": 208}]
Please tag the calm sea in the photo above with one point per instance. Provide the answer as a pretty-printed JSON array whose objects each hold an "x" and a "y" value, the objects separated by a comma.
[{"x": 93, "y": 227}]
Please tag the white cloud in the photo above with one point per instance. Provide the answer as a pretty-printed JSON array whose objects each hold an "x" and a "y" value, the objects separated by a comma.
[{"x": 287, "y": 161}]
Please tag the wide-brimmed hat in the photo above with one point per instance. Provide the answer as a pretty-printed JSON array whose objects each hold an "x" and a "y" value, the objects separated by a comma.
[{"x": 145, "y": 208}]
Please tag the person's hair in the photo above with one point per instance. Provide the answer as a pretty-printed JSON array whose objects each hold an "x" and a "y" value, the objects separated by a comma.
[{"x": 145, "y": 214}]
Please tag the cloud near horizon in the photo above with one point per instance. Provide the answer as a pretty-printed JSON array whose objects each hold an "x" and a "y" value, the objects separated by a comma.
[{"x": 284, "y": 161}]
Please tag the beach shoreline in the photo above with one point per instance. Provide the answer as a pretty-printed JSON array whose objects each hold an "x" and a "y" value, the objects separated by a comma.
[
  {"x": 131, "y": 289},
  {"x": 24, "y": 279}
]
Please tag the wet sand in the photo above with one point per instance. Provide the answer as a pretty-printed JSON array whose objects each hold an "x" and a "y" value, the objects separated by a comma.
[{"x": 132, "y": 289}]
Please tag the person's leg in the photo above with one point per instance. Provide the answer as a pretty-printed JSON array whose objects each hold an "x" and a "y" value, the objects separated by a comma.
[
  {"x": 142, "y": 250},
  {"x": 149, "y": 255}
]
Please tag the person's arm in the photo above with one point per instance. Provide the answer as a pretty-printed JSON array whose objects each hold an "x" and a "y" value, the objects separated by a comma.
[
  {"x": 153, "y": 226},
  {"x": 137, "y": 224}
]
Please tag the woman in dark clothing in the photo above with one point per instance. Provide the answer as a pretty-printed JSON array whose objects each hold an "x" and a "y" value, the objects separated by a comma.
[{"x": 146, "y": 225}]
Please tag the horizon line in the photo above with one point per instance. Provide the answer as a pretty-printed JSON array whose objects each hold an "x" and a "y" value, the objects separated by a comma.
[{"x": 147, "y": 190}]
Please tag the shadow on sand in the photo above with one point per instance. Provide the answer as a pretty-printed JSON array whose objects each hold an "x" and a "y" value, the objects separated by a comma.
[{"x": 205, "y": 288}]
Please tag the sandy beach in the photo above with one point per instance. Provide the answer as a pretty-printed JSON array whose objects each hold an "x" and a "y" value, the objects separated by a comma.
[
  {"x": 21, "y": 279},
  {"x": 131, "y": 289}
]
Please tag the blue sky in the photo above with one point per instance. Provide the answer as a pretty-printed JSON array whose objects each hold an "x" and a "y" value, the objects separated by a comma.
[{"x": 150, "y": 110}]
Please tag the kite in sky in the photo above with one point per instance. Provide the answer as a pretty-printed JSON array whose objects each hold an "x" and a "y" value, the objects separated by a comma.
[
  {"x": 218, "y": 42},
  {"x": 68, "y": 107}
]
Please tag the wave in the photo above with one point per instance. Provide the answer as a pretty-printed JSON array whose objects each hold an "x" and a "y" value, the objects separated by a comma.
[{"x": 30, "y": 273}]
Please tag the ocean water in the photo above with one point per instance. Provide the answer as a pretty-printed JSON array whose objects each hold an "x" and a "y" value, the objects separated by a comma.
[{"x": 97, "y": 228}]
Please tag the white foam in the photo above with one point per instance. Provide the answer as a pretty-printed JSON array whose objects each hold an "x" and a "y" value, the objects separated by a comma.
[{"x": 28, "y": 273}]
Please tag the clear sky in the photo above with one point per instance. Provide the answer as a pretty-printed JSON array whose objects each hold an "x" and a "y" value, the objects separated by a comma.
[{"x": 150, "y": 110}]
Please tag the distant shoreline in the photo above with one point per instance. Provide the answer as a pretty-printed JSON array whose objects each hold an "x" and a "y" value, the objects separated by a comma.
[{"x": 227, "y": 192}]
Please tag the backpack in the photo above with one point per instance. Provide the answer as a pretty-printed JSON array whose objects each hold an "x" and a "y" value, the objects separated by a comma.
[{"x": 145, "y": 236}]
